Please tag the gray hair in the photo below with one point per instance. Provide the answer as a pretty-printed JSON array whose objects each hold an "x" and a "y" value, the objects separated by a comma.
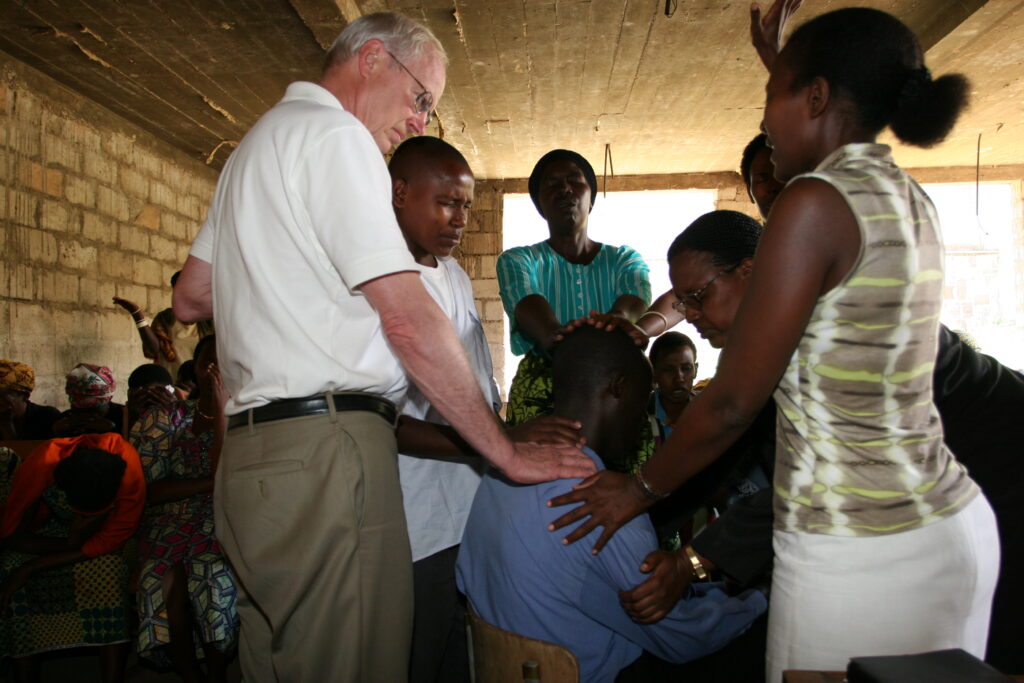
[{"x": 405, "y": 38}]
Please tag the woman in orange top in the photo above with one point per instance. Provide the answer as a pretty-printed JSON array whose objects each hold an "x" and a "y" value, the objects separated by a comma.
[{"x": 70, "y": 507}]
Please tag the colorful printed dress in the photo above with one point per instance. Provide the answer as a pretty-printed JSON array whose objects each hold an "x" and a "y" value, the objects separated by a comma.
[{"x": 181, "y": 533}]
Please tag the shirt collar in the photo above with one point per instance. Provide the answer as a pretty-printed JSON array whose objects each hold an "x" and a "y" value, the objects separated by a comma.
[
  {"x": 855, "y": 151},
  {"x": 305, "y": 90}
]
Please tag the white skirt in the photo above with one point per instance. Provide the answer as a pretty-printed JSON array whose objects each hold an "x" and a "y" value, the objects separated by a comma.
[{"x": 837, "y": 597}]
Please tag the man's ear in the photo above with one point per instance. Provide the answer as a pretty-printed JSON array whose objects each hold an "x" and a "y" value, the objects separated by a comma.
[
  {"x": 399, "y": 191},
  {"x": 818, "y": 96},
  {"x": 369, "y": 57},
  {"x": 745, "y": 267}
]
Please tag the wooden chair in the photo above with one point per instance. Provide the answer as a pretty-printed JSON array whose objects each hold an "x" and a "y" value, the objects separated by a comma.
[{"x": 497, "y": 655}]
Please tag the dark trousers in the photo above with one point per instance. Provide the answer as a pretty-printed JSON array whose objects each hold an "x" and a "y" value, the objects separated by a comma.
[{"x": 439, "y": 652}]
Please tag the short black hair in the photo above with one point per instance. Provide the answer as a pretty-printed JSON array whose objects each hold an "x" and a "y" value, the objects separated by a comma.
[
  {"x": 533, "y": 184},
  {"x": 414, "y": 152},
  {"x": 759, "y": 142},
  {"x": 875, "y": 62},
  {"x": 729, "y": 236},
  {"x": 90, "y": 478},
  {"x": 148, "y": 374},
  {"x": 668, "y": 342},
  {"x": 586, "y": 357}
]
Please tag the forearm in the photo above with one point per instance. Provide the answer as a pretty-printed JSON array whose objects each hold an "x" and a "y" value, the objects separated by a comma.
[
  {"x": 740, "y": 541},
  {"x": 429, "y": 440},
  {"x": 536, "y": 318},
  {"x": 33, "y": 544},
  {"x": 55, "y": 560},
  {"x": 424, "y": 341},
  {"x": 710, "y": 424},
  {"x": 629, "y": 306},
  {"x": 661, "y": 316},
  {"x": 192, "y": 298},
  {"x": 168, "y": 490}
]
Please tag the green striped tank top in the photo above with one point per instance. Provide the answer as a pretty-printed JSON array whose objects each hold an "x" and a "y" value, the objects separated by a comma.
[{"x": 859, "y": 441}]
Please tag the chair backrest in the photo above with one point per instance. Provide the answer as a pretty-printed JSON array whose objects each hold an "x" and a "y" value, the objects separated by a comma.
[{"x": 497, "y": 655}]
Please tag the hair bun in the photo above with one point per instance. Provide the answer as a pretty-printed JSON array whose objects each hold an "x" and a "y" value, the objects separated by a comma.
[
  {"x": 928, "y": 109},
  {"x": 915, "y": 85}
]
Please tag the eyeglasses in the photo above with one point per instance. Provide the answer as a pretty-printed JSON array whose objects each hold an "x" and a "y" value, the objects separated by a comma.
[
  {"x": 424, "y": 100},
  {"x": 695, "y": 300}
]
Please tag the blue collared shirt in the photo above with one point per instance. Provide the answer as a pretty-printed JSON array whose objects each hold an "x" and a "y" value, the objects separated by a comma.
[{"x": 520, "y": 577}]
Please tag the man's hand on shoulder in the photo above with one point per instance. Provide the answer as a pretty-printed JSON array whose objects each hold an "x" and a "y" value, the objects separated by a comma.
[
  {"x": 670, "y": 575},
  {"x": 532, "y": 463}
]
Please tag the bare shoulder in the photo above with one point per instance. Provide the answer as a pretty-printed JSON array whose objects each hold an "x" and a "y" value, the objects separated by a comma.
[{"x": 812, "y": 215}]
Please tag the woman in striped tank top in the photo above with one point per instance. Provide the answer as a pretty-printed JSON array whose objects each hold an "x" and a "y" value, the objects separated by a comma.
[{"x": 883, "y": 544}]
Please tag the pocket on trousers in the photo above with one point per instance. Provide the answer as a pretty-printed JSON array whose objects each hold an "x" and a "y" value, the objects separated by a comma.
[{"x": 266, "y": 469}]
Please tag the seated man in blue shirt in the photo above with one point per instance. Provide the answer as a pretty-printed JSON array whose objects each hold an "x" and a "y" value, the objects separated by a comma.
[{"x": 518, "y": 575}]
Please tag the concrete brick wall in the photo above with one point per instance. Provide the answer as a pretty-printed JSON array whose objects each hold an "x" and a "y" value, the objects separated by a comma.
[{"x": 91, "y": 208}]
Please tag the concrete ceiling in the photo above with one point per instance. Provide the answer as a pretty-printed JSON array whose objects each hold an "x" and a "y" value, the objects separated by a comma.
[{"x": 668, "y": 94}]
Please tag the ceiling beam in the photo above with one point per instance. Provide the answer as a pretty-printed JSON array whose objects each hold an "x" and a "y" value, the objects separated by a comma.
[
  {"x": 326, "y": 18},
  {"x": 945, "y": 22}
]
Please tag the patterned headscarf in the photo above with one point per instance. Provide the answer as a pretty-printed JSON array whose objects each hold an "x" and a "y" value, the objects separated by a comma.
[
  {"x": 89, "y": 386},
  {"x": 16, "y": 376}
]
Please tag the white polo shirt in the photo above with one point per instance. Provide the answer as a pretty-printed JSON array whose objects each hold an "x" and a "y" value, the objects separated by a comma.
[{"x": 301, "y": 217}]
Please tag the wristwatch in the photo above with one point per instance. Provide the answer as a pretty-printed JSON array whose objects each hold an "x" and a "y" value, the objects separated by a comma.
[{"x": 699, "y": 570}]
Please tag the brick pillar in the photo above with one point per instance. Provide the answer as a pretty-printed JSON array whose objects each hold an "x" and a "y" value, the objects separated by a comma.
[{"x": 478, "y": 254}]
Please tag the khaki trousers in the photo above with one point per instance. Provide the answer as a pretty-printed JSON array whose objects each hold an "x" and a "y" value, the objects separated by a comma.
[{"x": 309, "y": 511}]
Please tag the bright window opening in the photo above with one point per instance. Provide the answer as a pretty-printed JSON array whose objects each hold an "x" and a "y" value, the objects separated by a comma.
[
  {"x": 646, "y": 221},
  {"x": 982, "y": 294}
]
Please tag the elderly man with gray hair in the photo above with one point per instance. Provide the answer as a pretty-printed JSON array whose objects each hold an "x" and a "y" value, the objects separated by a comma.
[{"x": 318, "y": 307}]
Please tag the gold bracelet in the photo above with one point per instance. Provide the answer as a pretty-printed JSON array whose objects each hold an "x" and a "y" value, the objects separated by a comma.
[
  {"x": 698, "y": 568},
  {"x": 660, "y": 315}
]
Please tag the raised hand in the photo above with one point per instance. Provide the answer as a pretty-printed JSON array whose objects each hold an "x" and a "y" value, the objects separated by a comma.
[
  {"x": 127, "y": 305},
  {"x": 766, "y": 29}
]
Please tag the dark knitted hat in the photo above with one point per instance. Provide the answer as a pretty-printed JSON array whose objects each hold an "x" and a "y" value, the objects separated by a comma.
[{"x": 561, "y": 155}]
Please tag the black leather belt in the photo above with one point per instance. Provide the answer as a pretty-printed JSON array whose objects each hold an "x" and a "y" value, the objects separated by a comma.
[{"x": 315, "y": 405}]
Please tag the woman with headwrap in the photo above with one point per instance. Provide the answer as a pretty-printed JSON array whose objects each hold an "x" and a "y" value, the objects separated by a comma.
[
  {"x": 568, "y": 276},
  {"x": 70, "y": 507},
  {"x": 185, "y": 583},
  {"x": 20, "y": 418},
  {"x": 90, "y": 390}
]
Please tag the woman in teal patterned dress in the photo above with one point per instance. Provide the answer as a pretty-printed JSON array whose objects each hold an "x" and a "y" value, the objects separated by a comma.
[
  {"x": 547, "y": 285},
  {"x": 186, "y": 592}
]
